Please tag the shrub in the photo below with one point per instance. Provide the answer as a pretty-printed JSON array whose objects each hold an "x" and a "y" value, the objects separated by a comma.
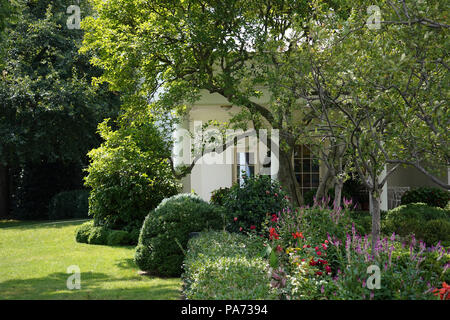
[
  {"x": 218, "y": 196},
  {"x": 91, "y": 234},
  {"x": 98, "y": 235},
  {"x": 69, "y": 204},
  {"x": 225, "y": 266},
  {"x": 250, "y": 203},
  {"x": 126, "y": 174},
  {"x": 433, "y": 197},
  {"x": 83, "y": 231},
  {"x": 436, "y": 230},
  {"x": 412, "y": 218},
  {"x": 117, "y": 238},
  {"x": 165, "y": 232}
]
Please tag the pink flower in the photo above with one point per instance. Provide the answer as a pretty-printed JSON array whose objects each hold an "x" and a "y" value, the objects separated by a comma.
[
  {"x": 240, "y": 229},
  {"x": 276, "y": 194},
  {"x": 319, "y": 253},
  {"x": 324, "y": 246},
  {"x": 235, "y": 218}
]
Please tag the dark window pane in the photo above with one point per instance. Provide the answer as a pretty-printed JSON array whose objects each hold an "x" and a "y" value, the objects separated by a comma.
[
  {"x": 297, "y": 166},
  {"x": 315, "y": 165},
  {"x": 315, "y": 180},
  {"x": 306, "y": 165},
  {"x": 299, "y": 178},
  {"x": 306, "y": 181}
]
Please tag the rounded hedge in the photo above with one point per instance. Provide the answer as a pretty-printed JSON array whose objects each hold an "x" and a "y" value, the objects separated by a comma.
[
  {"x": 415, "y": 218},
  {"x": 165, "y": 232},
  {"x": 89, "y": 233},
  {"x": 433, "y": 197}
]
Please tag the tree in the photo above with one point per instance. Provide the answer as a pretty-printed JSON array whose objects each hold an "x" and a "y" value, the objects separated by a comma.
[
  {"x": 49, "y": 110},
  {"x": 379, "y": 91},
  {"x": 188, "y": 46}
]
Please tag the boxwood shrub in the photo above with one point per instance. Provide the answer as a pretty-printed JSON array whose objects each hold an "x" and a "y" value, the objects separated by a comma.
[
  {"x": 165, "y": 232},
  {"x": 415, "y": 218},
  {"x": 89, "y": 233},
  {"x": 433, "y": 197},
  {"x": 226, "y": 266}
]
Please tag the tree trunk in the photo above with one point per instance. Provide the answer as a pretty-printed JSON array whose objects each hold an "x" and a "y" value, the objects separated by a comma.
[
  {"x": 321, "y": 190},
  {"x": 338, "y": 192},
  {"x": 286, "y": 176},
  {"x": 4, "y": 191},
  {"x": 374, "y": 199}
]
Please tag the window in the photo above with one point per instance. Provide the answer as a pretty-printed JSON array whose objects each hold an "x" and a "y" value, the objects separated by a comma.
[
  {"x": 245, "y": 165},
  {"x": 306, "y": 168}
]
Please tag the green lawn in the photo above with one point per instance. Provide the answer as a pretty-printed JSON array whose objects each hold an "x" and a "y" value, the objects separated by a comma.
[{"x": 34, "y": 258}]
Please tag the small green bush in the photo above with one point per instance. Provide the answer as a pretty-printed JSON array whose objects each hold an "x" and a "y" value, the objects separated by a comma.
[
  {"x": 412, "y": 219},
  {"x": 252, "y": 202},
  {"x": 83, "y": 231},
  {"x": 225, "y": 266},
  {"x": 98, "y": 235},
  {"x": 433, "y": 197},
  {"x": 436, "y": 230},
  {"x": 117, "y": 238},
  {"x": 165, "y": 232},
  {"x": 218, "y": 196},
  {"x": 69, "y": 204}
]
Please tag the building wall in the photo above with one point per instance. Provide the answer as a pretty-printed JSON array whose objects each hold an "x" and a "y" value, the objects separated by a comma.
[{"x": 411, "y": 177}]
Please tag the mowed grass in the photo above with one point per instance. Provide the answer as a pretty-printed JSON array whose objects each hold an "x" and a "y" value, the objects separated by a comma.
[{"x": 34, "y": 258}]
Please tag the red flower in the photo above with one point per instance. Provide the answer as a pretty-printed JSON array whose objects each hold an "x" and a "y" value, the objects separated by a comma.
[
  {"x": 312, "y": 262},
  {"x": 317, "y": 248},
  {"x": 444, "y": 292},
  {"x": 326, "y": 241},
  {"x": 297, "y": 235},
  {"x": 273, "y": 234},
  {"x": 328, "y": 269},
  {"x": 252, "y": 227},
  {"x": 267, "y": 192},
  {"x": 324, "y": 246},
  {"x": 274, "y": 218},
  {"x": 319, "y": 273},
  {"x": 276, "y": 194},
  {"x": 279, "y": 248},
  {"x": 319, "y": 253}
]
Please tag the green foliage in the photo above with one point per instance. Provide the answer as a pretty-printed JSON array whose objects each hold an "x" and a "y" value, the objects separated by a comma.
[
  {"x": 218, "y": 196},
  {"x": 35, "y": 184},
  {"x": 46, "y": 97},
  {"x": 117, "y": 238},
  {"x": 412, "y": 218},
  {"x": 128, "y": 173},
  {"x": 252, "y": 202},
  {"x": 69, "y": 204},
  {"x": 434, "y": 197},
  {"x": 91, "y": 234},
  {"x": 166, "y": 230},
  {"x": 83, "y": 232},
  {"x": 98, "y": 235},
  {"x": 224, "y": 266},
  {"x": 436, "y": 230}
]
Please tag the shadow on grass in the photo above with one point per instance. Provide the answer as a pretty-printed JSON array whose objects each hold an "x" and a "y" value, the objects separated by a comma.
[{"x": 54, "y": 287}]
